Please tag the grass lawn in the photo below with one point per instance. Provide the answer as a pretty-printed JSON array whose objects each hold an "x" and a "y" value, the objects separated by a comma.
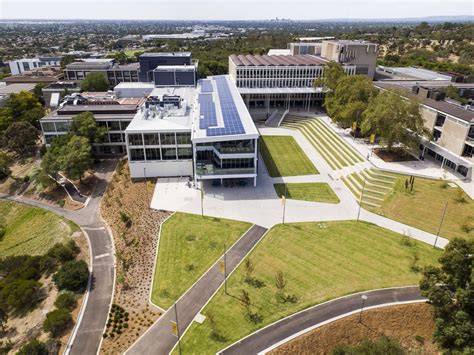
[
  {"x": 311, "y": 191},
  {"x": 424, "y": 207},
  {"x": 320, "y": 261},
  {"x": 189, "y": 245},
  {"x": 284, "y": 157},
  {"x": 31, "y": 230}
]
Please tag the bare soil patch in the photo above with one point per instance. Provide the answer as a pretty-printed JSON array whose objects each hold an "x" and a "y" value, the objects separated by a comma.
[
  {"x": 135, "y": 247},
  {"x": 411, "y": 324},
  {"x": 393, "y": 156}
]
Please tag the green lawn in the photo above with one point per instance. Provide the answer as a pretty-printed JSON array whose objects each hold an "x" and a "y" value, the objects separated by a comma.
[
  {"x": 424, "y": 207},
  {"x": 284, "y": 157},
  {"x": 311, "y": 191},
  {"x": 320, "y": 261},
  {"x": 30, "y": 230},
  {"x": 189, "y": 245}
]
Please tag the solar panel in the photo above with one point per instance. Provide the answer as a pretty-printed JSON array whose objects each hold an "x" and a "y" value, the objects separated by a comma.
[
  {"x": 206, "y": 86},
  {"x": 207, "y": 111}
]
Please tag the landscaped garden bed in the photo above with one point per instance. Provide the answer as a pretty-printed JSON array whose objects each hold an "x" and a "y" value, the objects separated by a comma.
[{"x": 394, "y": 155}]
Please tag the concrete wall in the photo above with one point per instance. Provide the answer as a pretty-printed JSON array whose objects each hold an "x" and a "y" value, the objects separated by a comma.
[
  {"x": 232, "y": 71},
  {"x": 453, "y": 136},
  {"x": 161, "y": 169},
  {"x": 429, "y": 116}
]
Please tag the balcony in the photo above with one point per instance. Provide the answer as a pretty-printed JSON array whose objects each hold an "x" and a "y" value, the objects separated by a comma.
[{"x": 210, "y": 169}]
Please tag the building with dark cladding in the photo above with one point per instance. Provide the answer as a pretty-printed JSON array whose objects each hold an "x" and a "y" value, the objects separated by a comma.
[{"x": 168, "y": 69}]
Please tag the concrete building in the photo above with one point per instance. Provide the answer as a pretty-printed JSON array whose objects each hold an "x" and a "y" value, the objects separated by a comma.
[
  {"x": 44, "y": 75},
  {"x": 53, "y": 92},
  {"x": 451, "y": 126},
  {"x": 135, "y": 90},
  {"x": 114, "y": 72},
  {"x": 361, "y": 54},
  {"x": 109, "y": 112},
  {"x": 19, "y": 66},
  {"x": 313, "y": 48},
  {"x": 168, "y": 69},
  {"x": 204, "y": 132}
]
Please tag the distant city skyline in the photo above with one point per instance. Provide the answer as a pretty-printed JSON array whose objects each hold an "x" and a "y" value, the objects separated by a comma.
[{"x": 230, "y": 9}]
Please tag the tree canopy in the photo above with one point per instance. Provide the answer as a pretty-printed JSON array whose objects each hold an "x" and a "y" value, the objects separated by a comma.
[
  {"x": 20, "y": 137},
  {"x": 23, "y": 106},
  {"x": 332, "y": 73},
  {"x": 72, "y": 276},
  {"x": 84, "y": 125},
  {"x": 349, "y": 99},
  {"x": 57, "y": 322},
  {"x": 395, "y": 119},
  {"x": 67, "y": 59},
  {"x": 450, "y": 289},
  {"x": 95, "y": 82}
]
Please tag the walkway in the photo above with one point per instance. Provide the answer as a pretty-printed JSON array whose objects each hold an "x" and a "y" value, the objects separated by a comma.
[
  {"x": 87, "y": 334},
  {"x": 282, "y": 330},
  {"x": 158, "y": 338}
]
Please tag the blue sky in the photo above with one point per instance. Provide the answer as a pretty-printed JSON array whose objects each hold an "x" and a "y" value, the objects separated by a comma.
[{"x": 230, "y": 9}]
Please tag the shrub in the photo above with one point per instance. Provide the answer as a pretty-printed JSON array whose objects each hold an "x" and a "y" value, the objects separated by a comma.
[
  {"x": 125, "y": 218},
  {"x": 21, "y": 295},
  {"x": 72, "y": 276},
  {"x": 381, "y": 346},
  {"x": 34, "y": 347},
  {"x": 66, "y": 300},
  {"x": 57, "y": 322},
  {"x": 61, "y": 203},
  {"x": 64, "y": 252}
]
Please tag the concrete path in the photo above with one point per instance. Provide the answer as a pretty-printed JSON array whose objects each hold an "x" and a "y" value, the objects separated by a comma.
[
  {"x": 280, "y": 331},
  {"x": 87, "y": 334},
  {"x": 158, "y": 338}
]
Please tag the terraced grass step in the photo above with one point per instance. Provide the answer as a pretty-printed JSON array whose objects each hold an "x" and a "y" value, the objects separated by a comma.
[{"x": 370, "y": 204}]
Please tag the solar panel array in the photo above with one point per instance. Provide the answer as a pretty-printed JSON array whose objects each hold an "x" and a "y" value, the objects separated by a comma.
[
  {"x": 230, "y": 114},
  {"x": 206, "y": 85},
  {"x": 207, "y": 111}
]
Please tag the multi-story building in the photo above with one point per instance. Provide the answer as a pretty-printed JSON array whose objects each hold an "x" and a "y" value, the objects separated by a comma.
[
  {"x": 168, "y": 69},
  {"x": 109, "y": 112},
  {"x": 313, "y": 48},
  {"x": 361, "y": 54},
  {"x": 53, "y": 92},
  {"x": 114, "y": 72},
  {"x": 204, "y": 132},
  {"x": 451, "y": 126},
  {"x": 19, "y": 66}
]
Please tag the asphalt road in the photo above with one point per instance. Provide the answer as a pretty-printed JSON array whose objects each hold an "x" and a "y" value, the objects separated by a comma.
[
  {"x": 158, "y": 339},
  {"x": 285, "y": 328}
]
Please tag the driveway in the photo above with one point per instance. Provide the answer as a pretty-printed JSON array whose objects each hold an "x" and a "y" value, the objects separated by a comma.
[{"x": 285, "y": 328}]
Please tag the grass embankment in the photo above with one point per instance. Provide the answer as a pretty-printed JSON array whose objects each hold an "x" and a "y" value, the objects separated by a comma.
[
  {"x": 189, "y": 245},
  {"x": 423, "y": 208},
  {"x": 31, "y": 230},
  {"x": 320, "y": 261},
  {"x": 311, "y": 191},
  {"x": 284, "y": 157}
]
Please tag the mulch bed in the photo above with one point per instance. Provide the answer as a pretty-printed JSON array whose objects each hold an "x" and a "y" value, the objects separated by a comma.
[{"x": 393, "y": 156}]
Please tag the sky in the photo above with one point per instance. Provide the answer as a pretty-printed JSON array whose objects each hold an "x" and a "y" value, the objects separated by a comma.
[{"x": 230, "y": 9}]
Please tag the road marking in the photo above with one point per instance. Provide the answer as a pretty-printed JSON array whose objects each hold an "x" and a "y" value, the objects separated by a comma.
[
  {"x": 94, "y": 229},
  {"x": 101, "y": 256}
]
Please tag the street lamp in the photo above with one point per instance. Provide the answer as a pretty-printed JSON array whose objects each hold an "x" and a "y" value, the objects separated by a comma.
[{"x": 364, "y": 298}]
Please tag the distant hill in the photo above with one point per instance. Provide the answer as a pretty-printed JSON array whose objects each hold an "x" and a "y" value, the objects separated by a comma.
[{"x": 460, "y": 18}]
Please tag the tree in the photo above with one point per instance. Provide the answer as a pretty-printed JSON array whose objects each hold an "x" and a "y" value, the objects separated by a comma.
[
  {"x": 66, "y": 300},
  {"x": 23, "y": 106},
  {"x": 395, "y": 119},
  {"x": 72, "y": 276},
  {"x": 34, "y": 347},
  {"x": 3, "y": 319},
  {"x": 38, "y": 92},
  {"x": 20, "y": 137},
  {"x": 4, "y": 161},
  {"x": 245, "y": 301},
  {"x": 248, "y": 265},
  {"x": 95, "y": 82},
  {"x": 332, "y": 73},
  {"x": 280, "y": 282},
  {"x": 57, "y": 322},
  {"x": 67, "y": 59},
  {"x": 450, "y": 289},
  {"x": 20, "y": 295},
  {"x": 84, "y": 125},
  {"x": 349, "y": 100}
]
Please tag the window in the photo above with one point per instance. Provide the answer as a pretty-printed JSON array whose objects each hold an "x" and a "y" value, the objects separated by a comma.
[
  {"x": 114, "y": 125},
  {"x": 115, "y": 137},
  {"x": 137, "y": 155},
  {"x": 124, "y": 125},
  {"x": 135, "y": 139},
  {"x": 151, "y": 139},
  {"x": 48, "y": 127},
  {"x": 185, "y": 153},
  {"x": 183, "y": 138},
  {"x": 152, "y": 154},
  {"x": 168, "y": 153},
  {"x": 167, "y": 139},
  {"x": 62, "y": 126}
]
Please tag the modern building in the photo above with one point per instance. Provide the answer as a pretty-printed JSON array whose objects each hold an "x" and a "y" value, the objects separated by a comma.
[
  {"x": 361, "y": 54},
  {"x": 313, "y": 48},
  {"x": 19, "y": 66},
  {"x": 135, "y": 90},
  {"x": 115, "y": 73},
  {"x": 451, "y": 126},
  {"x": 205, "y": 132},
  {"x": 44, "y": 75},
  {"x": 109, "y": 112},
  {"x": 53, "y": 92},
  {"x": 168, "y": 69}
]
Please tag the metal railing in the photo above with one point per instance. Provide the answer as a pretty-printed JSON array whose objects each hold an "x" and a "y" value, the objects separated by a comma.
[{"x": 212, "y": 170}]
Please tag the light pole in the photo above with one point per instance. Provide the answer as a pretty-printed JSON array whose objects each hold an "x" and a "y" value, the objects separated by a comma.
[
  {"x": 177, "y": 327},
  {"x": 364, "y": 298},
  {"x": 440, "y": 224},
  {"x": 202, "y": 198}
]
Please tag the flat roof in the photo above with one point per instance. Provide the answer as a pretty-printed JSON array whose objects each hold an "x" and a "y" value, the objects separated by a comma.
[
  {"x": 277, "y": 60},
  {"x": 134, "y": 85},
  {"x": 279, "y": 52},
  {"x": 190, "y": 67},
  {"x": 221, "y": 112},
  {"x": 415, "y": 73},
  {"x": 16, "y": 88},
  {"x": 275, "y": 90},
  {"x": 443, "y": 106},
  {"x": 166, "y": 54}
]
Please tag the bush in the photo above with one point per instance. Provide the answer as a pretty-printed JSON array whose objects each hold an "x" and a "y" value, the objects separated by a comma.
[
  {"x": 72, "y": 276},
  {"x": 57, "y": 322},
  {"x": 21, "y": 295},
  {"x": 61, "y": 202},
  {"x": 64, "y": 252},
  {"x": 66, "y": 300},
  {"x": 381, "y": 346},
  {"x": 34, "y": 347}
]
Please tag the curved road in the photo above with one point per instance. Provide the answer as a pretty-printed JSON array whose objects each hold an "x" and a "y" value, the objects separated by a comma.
[
  {"x": 283, "y": 329},
  {"x": 87, "y": 334}
]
